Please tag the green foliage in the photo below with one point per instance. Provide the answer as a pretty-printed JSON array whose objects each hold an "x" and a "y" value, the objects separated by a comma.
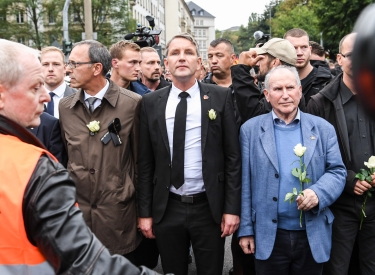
[
  {"x": 294, "y": 14},
  {"x": 111, "y": 20},
  {"x": 337, "y": 18},
  {"x": 233, "y": 37}
]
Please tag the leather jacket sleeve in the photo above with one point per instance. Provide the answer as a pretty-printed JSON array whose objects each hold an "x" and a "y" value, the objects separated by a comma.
[{"x": 56, "y": 226}]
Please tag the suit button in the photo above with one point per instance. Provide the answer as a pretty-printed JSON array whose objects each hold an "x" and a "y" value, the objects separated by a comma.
[
  {"x": 277, "y": 176},
  {"x": 274, "y": 199},
  {"x": 92, "y": 171},
  {"x": 274, "y": 221},
  {"x": 94, "y": 206},
  {"x": 169, "y": 165},
  {"x": 167, "y": 187}
]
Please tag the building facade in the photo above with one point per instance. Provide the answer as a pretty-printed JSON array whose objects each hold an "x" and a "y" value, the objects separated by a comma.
[{"x": 204, "y": 27}]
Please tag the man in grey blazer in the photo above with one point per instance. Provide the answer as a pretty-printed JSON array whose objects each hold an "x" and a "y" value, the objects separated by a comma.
[
  {"x": 54, "y": 71},
  {"x": 270, "y": 227}
]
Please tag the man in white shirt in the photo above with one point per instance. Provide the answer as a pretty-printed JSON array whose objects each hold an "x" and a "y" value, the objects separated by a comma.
[{"x": 52, "y": 60}]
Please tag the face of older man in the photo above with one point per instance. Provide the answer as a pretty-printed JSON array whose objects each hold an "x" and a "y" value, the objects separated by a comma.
[
  {"x": 284, "y": 94},
  {"x": 24, "y": 102},
  {"x": 82, "y": 74}
]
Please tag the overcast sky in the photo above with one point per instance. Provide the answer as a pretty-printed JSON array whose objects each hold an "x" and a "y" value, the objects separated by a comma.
[{"x": 230, "y": 13}]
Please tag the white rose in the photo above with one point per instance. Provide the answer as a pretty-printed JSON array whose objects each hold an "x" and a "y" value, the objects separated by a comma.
[
  {"x": 299, "y": 150},
  {"x": 371, "y": 162},
  {"x": 94, "y": 126},
  {"x": 212, "y": 114}
]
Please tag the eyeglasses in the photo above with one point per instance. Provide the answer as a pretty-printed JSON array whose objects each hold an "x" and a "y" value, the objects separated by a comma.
[
  {"x": 348, "y": 56},
  {"x": 73, "y": 65}
]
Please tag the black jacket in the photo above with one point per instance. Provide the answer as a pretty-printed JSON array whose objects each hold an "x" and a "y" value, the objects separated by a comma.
[
  {"x": 55, "y": 225},
  {"x": 251, "y": 101},
  {"x": 322, "y": 76},
  {"x": 328, "y": 105}
]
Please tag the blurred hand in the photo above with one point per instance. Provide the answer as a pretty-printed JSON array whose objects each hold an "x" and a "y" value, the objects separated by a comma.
[{"x": 308, "y": 200}]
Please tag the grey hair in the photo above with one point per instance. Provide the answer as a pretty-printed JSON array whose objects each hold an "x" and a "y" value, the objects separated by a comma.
[
  {"x": 11, "y": 69},
  {"x": 271, "y": 72},
  {"x": 98, "y": 53},
  {"x": 187, "y": 36}
]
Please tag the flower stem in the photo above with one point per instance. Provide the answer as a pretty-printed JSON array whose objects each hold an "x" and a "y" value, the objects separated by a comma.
[{"x": 363, "y": 213}]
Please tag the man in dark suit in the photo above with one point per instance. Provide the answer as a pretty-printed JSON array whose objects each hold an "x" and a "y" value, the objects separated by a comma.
[
  {"x": 49, "y": 133},
  {"x": 54, "y": 71},
  {"x": 189, "y": 165}
]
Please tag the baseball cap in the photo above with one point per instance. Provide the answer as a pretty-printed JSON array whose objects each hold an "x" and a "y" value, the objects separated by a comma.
[{"x": 279, "y": 48}]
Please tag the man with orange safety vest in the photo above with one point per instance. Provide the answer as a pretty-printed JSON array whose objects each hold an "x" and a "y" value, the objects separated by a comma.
[{"x": 41, "y": 229}]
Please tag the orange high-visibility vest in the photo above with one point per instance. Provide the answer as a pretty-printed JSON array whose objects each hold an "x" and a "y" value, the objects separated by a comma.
[{"x": 17, "y": 254}]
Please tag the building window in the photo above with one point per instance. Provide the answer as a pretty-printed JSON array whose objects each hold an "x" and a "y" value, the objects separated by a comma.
[
  {"x": 20, "y": 18},
  {"x": 51, "y": 18},
  {"x": 201, "y": 22},
  {"x": 204, "y": 44},
  {"x": 199, "y": 33},
  {"x": 201, "y": 12},
  {"x": 204, "y": 33},
  {"x": 193, "y": 12},
  {"x": 21, "y": 40}
]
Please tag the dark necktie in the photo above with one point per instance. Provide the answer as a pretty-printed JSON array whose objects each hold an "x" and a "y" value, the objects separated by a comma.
[
  {"x": 177, "y": 176},
  {"x": 91, "y": 101},
  {"x": 51, "y": 105}
]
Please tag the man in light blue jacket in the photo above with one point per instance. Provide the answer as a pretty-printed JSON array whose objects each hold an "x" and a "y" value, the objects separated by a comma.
[{"x": 283, "y": 241}]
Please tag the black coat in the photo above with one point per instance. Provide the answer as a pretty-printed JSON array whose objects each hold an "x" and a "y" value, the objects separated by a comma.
[
  {"x": 328, "y": 105},
  {"x": 221, "y": 158}
]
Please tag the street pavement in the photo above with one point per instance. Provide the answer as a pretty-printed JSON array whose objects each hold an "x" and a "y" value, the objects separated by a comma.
[{"x": 192, "y": 268}]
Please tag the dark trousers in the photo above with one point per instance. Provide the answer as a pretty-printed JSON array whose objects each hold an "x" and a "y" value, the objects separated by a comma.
[
  {"x": 291, "y": 255},
  {"x": 183, "y": 223},
  {"x": 345, "y": 231},
  {"x": 146, "y": 254},
  {"x": 243, "y": 264}
]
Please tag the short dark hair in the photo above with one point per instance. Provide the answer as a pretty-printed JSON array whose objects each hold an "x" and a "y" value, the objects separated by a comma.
[
  {"x": 218, "y": 41},
  {"x": 296, "y": 32},
  {"x": 98, "y": 53},
  {"x": 317, "y": 49}
]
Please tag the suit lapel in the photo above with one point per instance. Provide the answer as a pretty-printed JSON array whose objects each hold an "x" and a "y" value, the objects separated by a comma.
[
  {"x": 309, "y": 138},
  {"x": 267, "y": 139},
  {"x": 162, "y": 104},
  {"x": 205, "y": 107}
]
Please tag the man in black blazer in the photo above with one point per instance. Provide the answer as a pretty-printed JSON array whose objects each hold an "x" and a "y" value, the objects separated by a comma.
[
  {"x": 189, "y": 165},
  {"x": 54, "y": 71},
  {"x": 49, "y": 133}
]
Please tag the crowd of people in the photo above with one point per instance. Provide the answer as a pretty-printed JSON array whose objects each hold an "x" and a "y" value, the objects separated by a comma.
[{"x": 133, "y": 160}]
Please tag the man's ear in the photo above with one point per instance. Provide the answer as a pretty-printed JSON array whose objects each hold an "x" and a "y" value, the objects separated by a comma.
[
  {"x": 2, "y": 96},
  {"x": 266, "y": 94},
  {"x": 114, "y": 63},
  {"x": 98, "y": 67}
]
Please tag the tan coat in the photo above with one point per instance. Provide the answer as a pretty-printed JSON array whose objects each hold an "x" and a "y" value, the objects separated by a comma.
[{"x": 105, "y": 174}]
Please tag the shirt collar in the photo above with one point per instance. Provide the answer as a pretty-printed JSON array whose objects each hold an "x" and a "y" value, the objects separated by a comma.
[
  {"x": 345, "y": 92},
  {"x": 59, "y": 91},
  {"x": 100, "y": 94},
  {"x": 192, "y": 91},
  {"x": 278, "y": 121}
]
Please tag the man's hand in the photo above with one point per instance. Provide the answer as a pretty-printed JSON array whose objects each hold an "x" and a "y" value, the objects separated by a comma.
[
  {"x": 250, "y": 58},
  {"x": 145, "y": 226},
  {"x": 247, "y": 244},
  {"x": 362, "y": 186},
  {"x": 308, "y": 200},
  {"x": 229, "y": 224}
]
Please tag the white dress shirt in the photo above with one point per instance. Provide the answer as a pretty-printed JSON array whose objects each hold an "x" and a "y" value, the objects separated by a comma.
[
  {"x": 99, "y": 96},
  {"x": 193, "y": 182},
  {"x": 59, "y": 94}
]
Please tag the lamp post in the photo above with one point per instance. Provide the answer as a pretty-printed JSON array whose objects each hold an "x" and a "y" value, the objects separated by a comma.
[{"x": 270, "y": 9}]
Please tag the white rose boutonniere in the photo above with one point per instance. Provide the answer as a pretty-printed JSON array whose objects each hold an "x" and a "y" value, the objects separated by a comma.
[
  {"x": 212, "y": 114},
  {"x": 94, "y": 126}
]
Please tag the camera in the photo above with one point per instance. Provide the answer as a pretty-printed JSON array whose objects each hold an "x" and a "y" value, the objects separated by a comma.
[
  {"x": 147, "y": 36},
  {"x": 261, "y": 38}
]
